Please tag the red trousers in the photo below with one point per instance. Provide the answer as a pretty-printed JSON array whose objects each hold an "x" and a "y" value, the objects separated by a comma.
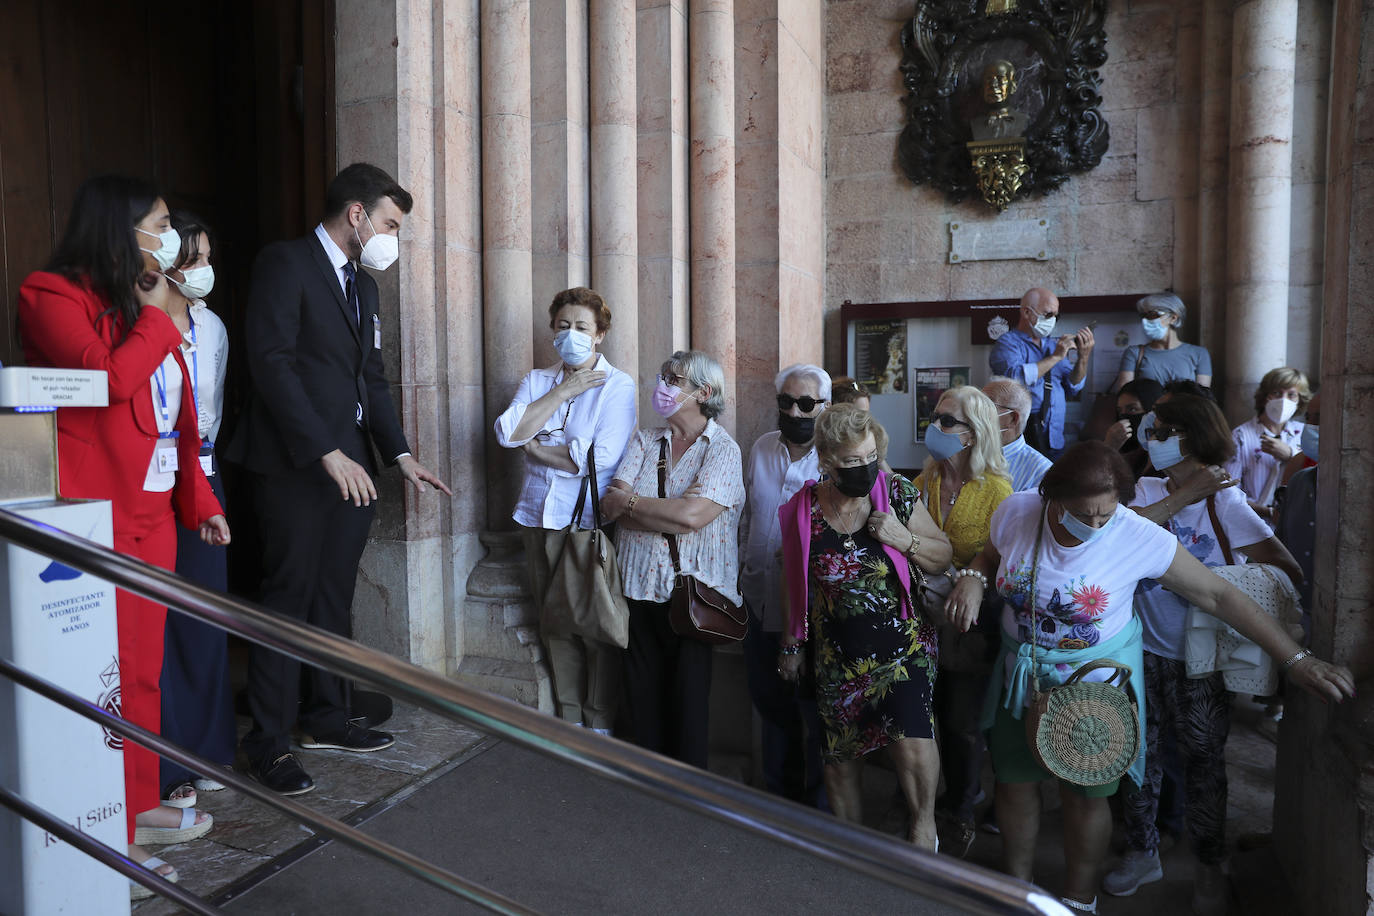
[{"x": 141, "y": 624}]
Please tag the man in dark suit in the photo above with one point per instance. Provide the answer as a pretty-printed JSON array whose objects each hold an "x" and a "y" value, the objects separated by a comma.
[{"x": 319, "y": 402}]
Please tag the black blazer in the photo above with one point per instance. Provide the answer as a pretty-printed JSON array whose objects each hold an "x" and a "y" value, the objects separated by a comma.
[{"x": 309, "y": 365}]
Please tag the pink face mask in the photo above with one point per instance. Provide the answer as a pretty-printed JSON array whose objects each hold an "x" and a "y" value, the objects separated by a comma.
[{"x": 665, "y": 399}]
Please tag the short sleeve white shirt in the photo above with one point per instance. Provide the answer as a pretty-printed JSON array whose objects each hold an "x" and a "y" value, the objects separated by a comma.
[
  {"x": 1083, "y": 593},
  {"x": 1163, "y": 615}
]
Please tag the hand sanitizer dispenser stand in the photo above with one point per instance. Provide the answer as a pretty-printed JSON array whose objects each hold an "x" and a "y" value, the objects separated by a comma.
[{"x": 59, "y": 624}]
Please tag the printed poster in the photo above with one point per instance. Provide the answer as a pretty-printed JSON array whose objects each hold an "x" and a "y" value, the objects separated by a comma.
[
  {"x": 930, "y": 384},
  {"x": 880, "y": 355}
]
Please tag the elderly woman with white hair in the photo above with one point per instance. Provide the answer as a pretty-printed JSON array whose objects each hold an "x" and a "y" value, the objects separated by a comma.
[
  {"x": 1163, "y": 357},
  {"x": 667, "y": 676},
  {"x": 781, "y": 461},
  {"x": 964, "y": 480}
]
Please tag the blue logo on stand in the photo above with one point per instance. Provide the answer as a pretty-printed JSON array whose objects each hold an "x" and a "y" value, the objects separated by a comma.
[{"x": 56, "y": 572}]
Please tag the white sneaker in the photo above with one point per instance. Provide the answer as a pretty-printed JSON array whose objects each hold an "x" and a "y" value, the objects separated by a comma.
[
  {"x": 1135, "y": 868},
  {"x": 1209, "y": 891},
  {"x": 1079, "y": 905}
]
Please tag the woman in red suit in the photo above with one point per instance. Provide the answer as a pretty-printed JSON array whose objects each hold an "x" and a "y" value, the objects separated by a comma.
[{"x": 101, "y": 304}]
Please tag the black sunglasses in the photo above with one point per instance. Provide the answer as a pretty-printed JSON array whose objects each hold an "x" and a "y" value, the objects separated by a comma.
[
  {"x": 947, "y": 421},
  {"x": 1162, "y": 433},
  {"x": 807, "y": 404}
]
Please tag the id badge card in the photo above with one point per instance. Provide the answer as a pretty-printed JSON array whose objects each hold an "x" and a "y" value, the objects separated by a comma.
[
  {"x": 207, "y": 459},
  {"x": 376, "y": 333},
  {"x": 167, "y": 456}
]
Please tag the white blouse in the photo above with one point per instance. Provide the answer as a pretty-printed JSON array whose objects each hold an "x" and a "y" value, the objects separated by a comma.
[
  {"x": 207, "y": 356},
  {"x": 711, "y": 554}
]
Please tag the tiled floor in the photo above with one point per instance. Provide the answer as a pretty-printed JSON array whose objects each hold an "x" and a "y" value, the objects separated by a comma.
[{"x": 250, "y": 842}]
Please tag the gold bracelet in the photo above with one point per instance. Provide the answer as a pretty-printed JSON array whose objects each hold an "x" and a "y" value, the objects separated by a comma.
[
  {"x": 630, "y": 506},
  {"x": 915, "y": 544}
]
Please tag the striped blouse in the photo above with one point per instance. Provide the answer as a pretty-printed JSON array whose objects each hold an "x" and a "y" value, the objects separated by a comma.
[
  {"x": 1258, "y": 472},
  {"x": 711, "y": 554}
]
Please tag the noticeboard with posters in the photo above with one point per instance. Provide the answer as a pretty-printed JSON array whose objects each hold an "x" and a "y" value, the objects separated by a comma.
[{"x": 954, "y": 339}]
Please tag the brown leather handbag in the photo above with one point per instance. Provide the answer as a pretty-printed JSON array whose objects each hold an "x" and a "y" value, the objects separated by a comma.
[{"x": 695, "y": 610}]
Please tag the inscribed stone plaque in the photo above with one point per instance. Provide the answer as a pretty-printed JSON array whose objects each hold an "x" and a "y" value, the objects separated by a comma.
[{"x": 1004, "y": 240}]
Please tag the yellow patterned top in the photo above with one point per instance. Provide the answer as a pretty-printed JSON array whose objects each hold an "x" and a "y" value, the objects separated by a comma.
[{"x": 968, "y": 523}]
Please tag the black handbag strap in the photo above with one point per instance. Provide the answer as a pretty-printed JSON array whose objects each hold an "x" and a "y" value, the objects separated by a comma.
[
  {"x": 663, "y": 494},
  {"x": 590, "y": 482}
]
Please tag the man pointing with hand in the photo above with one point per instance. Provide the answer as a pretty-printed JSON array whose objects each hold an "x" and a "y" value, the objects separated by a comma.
[{"x": 319, "y": 404}]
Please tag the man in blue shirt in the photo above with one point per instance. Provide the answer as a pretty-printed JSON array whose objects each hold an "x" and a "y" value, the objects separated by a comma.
[{"x": 1028, "y": 355}]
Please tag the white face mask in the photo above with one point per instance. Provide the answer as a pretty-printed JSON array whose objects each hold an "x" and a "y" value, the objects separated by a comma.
[
  {"x": 165, "y": 256},
  {"x": 381, "y": 251},
  {"x": 1280, "y": 410},
  {"x": 1044, "y": 325},
  {"x": 196, "y": 282}
]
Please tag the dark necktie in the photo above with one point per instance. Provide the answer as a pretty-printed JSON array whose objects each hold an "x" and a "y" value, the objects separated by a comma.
[{"x": 351, "y": 292}]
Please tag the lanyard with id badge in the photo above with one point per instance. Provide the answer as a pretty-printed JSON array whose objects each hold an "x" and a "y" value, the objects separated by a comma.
[
  {"x": 166, "y": 452},
  {"x": 207, "y": 448}
]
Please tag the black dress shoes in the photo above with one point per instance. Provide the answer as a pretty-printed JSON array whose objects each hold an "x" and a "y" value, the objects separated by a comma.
[
  {"x": 284, "y": 775},
  {"x": 354, "y": 736}
]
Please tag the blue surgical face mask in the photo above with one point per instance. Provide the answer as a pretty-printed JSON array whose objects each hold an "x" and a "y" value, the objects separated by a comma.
[
  {"x": 573, "y": 346},
  {"x": 1155, "y": 328},
  {"x": 1165, "y": 454},
  {"x": 1044, "y": 325},
  {"x": 1308, "y": 442},
  {"x": 1082, "y": 530},
  {"x": 942, "y": 445}
]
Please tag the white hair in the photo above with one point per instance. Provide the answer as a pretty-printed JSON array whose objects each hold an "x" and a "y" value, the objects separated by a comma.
[
  {"x": 806, "y": 370},
  {"x": 1008, "y": 392},
  {"x": 1162, "y": 302}
]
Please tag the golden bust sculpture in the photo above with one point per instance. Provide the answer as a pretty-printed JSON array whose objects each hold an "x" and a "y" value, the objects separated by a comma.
[{"x": 999, "y": 121}]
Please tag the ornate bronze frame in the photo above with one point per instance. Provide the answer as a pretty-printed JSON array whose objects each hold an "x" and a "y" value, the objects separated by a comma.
[{"x": 1067, "y": 134}]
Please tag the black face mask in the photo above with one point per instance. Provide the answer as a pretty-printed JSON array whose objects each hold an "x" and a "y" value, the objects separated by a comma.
[
  {"x": 856, "y": 482},
  {"x": 797, "y": 430}
]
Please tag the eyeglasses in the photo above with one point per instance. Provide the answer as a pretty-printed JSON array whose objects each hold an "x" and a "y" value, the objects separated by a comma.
[
  {"x": 807, "y": 404},
  {"x": 674, "y": 381},
  {"x": 948, "y": 421},
  {"x": 1156, "y": 315},
  {"x": 545, "y": 436}
]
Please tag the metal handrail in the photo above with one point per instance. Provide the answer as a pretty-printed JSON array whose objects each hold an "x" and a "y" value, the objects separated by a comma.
[{"x": 850, "y": 846}]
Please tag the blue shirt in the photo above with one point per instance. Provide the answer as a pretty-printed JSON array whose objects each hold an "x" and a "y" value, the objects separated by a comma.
[
  {"x": 1015, "y": 355},
  {"x": 1027, "y": 465}
]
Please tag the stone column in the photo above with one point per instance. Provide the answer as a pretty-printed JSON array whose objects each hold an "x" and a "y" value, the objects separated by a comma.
[
  {"x": 500, "y": 650},
  {"x": 711, "y": 31},
  {"x": 1214, "y": 145},
  {"x": 664, "y": 267},
  {"x": 780, "y": 201},
  {"x": 389, "y": 104},
  {"x": 507, "y": 233},
  {"x": 1263, "y": 56},
  {"x": 615, "y": 233},
  {"x": 558, "y": 107},
  {"x": 1324, "y": 791}
]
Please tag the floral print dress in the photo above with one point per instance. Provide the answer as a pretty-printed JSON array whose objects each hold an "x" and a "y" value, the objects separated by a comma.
[{"x": 874, "y": 671}]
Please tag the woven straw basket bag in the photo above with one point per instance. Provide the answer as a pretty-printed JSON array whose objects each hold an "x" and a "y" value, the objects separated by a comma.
[{"x": 1085, "y": 732}]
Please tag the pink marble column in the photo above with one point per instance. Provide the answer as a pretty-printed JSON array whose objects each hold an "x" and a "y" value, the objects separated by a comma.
[
  {"x": 615, "y": 233},
  {"x": 711, "y": 30},
  {"x": 558, "y": 109},
  {"x": 1263, "y": 58},
  {"x": 664, "y": 265},
  {"x": 507, "y": 234}
]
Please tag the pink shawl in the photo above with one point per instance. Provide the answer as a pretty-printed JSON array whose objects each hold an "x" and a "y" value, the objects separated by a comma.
[{"x": 795, "y": 520}]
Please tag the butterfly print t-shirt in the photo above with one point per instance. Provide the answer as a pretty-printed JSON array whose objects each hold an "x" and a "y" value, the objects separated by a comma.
[{"x": 1084, "y": 592}]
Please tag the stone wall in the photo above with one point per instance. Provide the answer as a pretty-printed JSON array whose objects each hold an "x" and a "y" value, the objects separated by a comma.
[{"x": 1134, "y": 224}]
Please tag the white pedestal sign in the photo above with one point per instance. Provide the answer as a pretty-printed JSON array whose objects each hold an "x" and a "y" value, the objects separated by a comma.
[{"x": 60, "y": 624}]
